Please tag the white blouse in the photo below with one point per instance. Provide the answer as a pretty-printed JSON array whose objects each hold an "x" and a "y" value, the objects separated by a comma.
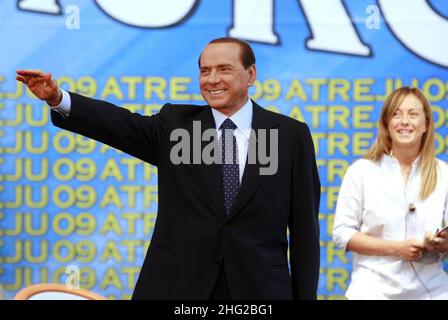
[{"x": 373, "y": 199}]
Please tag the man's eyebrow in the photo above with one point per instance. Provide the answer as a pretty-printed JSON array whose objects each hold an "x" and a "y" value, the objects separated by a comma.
[
  {"x": 228, "y": 65},
  {"x": 225, "y": 65}
]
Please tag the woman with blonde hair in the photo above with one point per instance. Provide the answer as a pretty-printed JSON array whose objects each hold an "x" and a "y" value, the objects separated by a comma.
[{"x": 391, "y": 205}]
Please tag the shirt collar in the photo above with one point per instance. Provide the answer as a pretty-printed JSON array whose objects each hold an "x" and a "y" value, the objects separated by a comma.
[
  {"x": 242, "y": 118},
  {"x": 389, "y": 158}
]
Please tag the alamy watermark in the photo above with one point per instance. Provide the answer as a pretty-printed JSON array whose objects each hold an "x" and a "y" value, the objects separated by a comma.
[
  {"x": 73, "y": 273},
  {"x": 73, "y": 17},
  {"x": 373, "y": 21},
  {"x": 189, "y": 150}
]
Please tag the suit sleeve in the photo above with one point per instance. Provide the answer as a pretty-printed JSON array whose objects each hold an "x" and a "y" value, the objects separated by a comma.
[
  {"x": 304, "y": 222},
  {"x": 141, "y": 136}
]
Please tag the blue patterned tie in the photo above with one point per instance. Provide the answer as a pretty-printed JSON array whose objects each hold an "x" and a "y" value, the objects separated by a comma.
[{"x": 230, "y": 167}]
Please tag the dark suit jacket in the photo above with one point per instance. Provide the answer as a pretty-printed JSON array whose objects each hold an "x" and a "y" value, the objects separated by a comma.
[{"x": 192, "y": 236}]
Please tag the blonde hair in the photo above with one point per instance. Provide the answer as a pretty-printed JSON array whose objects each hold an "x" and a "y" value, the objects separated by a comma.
[{"x": 383, "y": 143}]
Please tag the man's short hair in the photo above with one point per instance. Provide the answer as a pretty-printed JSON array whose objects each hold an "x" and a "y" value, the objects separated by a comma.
[{"x": 247, "y": 54}]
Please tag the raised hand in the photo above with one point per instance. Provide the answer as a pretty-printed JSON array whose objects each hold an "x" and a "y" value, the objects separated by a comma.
[{"x": 41, "y": 84}]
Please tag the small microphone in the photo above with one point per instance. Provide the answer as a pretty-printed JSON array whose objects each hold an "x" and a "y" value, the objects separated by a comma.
[{"x": 411, "y": 208}]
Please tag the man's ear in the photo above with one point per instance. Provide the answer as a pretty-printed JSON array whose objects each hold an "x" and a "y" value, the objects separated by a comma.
[{"x": 252, "y": 71}]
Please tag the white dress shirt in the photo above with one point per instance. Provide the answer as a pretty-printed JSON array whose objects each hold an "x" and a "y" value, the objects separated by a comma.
[
  {"x": 373, "y": 199},
  {"x": 64, "y": 106},
  {"x": 242, "y": 119}
]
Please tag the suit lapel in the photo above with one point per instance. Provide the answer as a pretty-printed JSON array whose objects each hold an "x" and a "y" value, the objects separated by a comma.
[
  {"x": 210, "y": 174},
  {"x": 252, "y": 179}
]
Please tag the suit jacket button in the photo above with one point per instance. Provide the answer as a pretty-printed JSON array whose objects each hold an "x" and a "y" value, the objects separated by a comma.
[{"x": 215, "y": 264}]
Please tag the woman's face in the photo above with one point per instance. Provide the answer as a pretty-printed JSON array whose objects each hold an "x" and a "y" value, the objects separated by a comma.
[{"x": 408, "y": 124}]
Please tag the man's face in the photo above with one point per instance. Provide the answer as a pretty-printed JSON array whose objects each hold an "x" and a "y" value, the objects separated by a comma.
[{"x": 222, "y": 78}]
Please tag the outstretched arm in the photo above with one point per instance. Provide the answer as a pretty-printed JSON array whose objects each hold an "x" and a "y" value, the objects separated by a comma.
[{"x": 141, "y": 136}]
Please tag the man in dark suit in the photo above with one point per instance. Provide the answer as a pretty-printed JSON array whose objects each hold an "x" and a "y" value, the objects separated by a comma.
[{"x": 221, "y": 228}]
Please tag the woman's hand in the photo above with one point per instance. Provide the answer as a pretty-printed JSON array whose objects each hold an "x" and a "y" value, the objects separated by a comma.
[
  {"x": 410, "y": 250},
  {"x": 437, "y": 243}
]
